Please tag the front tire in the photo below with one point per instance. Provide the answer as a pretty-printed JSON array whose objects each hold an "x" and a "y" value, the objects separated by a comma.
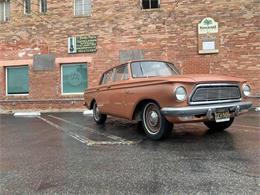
[
  {"x": 98, "y": 117},
  {"x": 154, "y": 123},
  {"x": 214, "y": 126}
]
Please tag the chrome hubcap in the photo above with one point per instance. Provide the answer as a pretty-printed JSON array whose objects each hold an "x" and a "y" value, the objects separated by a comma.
[{"x": 154, "y": 118}]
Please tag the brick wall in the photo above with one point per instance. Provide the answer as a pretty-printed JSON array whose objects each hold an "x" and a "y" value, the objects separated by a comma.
[{"x": 169, "y": 33}]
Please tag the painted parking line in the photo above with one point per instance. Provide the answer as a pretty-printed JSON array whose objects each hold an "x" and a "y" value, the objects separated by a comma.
[
  {"x": 86, "y": 140},
  {"x": 82, "y": 139},
  {"x": 113, "y": 137}
]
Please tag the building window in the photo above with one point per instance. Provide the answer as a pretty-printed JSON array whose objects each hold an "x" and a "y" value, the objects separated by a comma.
[
  {"x": 4, "y": 10},
  {"x": 73, "y": 78},
  {"x": 27, "y": 7},
  {"x": 150, "y": 4},
  {"x": 17, "y": 80},
  {"x": 82, "y": 7},
  {"x": 43, "y": 6}
]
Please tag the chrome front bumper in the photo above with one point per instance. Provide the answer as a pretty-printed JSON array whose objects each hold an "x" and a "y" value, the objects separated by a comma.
[{"x": 207, "y": 110}]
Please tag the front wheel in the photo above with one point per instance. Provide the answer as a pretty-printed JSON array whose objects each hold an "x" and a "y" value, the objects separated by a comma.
[
  {"x": 154, "y": 123},
  {"x": 99, "y": 118},
  {"x": 214, "y": 126}
]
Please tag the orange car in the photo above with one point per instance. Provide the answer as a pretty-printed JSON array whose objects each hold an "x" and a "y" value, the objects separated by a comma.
[{"x": 156, "y": 94}]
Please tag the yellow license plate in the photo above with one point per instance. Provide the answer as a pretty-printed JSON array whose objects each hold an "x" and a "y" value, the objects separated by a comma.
[{"x": 222, "y": 116}]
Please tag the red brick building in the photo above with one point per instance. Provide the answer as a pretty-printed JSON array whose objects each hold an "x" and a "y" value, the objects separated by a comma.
[{"x": 39, "y": 71}]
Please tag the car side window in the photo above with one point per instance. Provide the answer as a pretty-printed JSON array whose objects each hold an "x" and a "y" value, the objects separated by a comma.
[
  {"x": 121, "y": 73},
  {"x": 136, "y": 69},
  {"x": 107, "y": 77}
]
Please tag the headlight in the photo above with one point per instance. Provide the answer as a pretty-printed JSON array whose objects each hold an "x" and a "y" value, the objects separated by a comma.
[
  {"x": 246, "y": 90},
  {"x": 180, "y": 93}
]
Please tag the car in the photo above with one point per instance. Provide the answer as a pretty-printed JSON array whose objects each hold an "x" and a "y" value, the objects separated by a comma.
[{"x": 157, "y": 95}]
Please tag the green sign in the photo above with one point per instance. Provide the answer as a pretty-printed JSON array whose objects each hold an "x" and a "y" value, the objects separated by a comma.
[{"x": 83, "y": 44}]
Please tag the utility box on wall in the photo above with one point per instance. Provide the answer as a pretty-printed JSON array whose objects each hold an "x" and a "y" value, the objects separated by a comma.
[{"x": 208, "y": 40}]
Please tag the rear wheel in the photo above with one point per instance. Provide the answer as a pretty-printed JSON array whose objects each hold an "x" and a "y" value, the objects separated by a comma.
[
  {"x": 154, "y": 123},
  {"x": 214, "y": 126},
  {"x": 99, "y": 118}
]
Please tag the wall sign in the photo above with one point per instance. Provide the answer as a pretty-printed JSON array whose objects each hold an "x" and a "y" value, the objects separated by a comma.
[
  {"x": 42, "y": 62},
  {"x": 208, "y": 36},
  {"x": 127, "y": 55},
  {"x": 82, "y": 44}
]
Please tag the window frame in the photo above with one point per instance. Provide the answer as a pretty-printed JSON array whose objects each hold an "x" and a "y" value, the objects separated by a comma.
[
  {"x": 4, "y": 14},
  {"x": 25, "y": 7},
  {"x": 150, "y": 5},
  {"x": 40, "y": 6},
  {"x": 61, "y": 69},
  {"x": 6, "y": 81},
  {"x": 83, "y": 9}
]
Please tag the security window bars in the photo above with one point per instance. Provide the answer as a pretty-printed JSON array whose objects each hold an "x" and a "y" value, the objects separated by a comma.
[
  {"x": 74, "y": 78},
  {"x": 150, "y": 4},
  {"x": 4, "y": 10},
  {"x": 43, "y": 6},
  {"x": 17, "y": 80},
  {"x": 27, "y": 7},
  {"x": 82, "y": 7}
]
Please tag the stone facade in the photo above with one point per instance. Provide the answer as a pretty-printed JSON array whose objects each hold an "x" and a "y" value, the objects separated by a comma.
[{"x": 168, "y": 33}]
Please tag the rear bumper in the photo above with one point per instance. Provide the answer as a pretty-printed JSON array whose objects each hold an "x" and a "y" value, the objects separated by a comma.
[{"x": 208, "y": 110}]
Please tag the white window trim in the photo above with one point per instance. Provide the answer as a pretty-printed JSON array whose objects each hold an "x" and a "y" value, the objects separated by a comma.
[
  {"x": 4, "y": 11},
  {"x": 40, "y": 7},
  {"x": 83, "y": 10},
  {"x": 62, "y": 92},
  {"x": 6, "y": 82},
  {"x": 4, "y": 3},
  {"x": 24, "y": 10}
]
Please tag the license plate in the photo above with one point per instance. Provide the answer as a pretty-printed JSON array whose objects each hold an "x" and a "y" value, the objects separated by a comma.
[{"x": 222, "y": 116}]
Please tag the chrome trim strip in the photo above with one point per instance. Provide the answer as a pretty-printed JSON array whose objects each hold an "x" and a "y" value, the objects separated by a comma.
[
  {"x": 213, "y": 102},
  {"x": 203, "y": 109}
]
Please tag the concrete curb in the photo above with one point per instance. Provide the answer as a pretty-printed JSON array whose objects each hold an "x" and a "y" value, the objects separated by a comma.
[
  {"x": 27, "y": 114},
  {"x": 88, "y": 112}
]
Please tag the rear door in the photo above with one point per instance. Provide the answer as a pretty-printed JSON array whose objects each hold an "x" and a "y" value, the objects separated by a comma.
[
  {"x": 103, "y": 94},
  {"x": 118, "y": 91}
]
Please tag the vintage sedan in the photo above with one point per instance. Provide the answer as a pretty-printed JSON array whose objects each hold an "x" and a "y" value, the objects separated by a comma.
[{"x": 154, "y": 93}]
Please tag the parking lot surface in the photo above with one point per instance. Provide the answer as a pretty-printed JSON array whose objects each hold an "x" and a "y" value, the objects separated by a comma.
[{"x": 67, "y": 153}]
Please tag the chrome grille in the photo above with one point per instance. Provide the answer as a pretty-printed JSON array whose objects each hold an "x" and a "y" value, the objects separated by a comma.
[{"x": 208, "y": 93}]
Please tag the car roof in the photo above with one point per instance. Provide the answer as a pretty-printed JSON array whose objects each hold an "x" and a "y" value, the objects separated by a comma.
[{"x": 140, "y": 60}]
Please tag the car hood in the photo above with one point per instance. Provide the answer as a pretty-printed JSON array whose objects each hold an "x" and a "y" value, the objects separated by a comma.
[{"x": 204, "y": 78}]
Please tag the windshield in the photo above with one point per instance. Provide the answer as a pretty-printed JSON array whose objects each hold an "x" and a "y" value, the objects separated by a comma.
[{"x": 153, "y": 69}]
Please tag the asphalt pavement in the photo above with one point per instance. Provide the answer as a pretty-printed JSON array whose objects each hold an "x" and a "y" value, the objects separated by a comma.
[{"x": 67, "y": 153}]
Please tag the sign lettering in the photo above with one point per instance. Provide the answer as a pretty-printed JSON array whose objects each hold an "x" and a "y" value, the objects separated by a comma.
[{"x": 82, "y": 44}]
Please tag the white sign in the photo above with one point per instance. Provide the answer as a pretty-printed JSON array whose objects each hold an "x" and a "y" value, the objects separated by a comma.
[
  {"x": 208, "y": 45},
  {"x": 207, "y": 25}
]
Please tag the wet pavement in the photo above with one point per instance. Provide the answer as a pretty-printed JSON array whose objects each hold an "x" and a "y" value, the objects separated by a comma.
[{"x": 67, "y": 153}]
